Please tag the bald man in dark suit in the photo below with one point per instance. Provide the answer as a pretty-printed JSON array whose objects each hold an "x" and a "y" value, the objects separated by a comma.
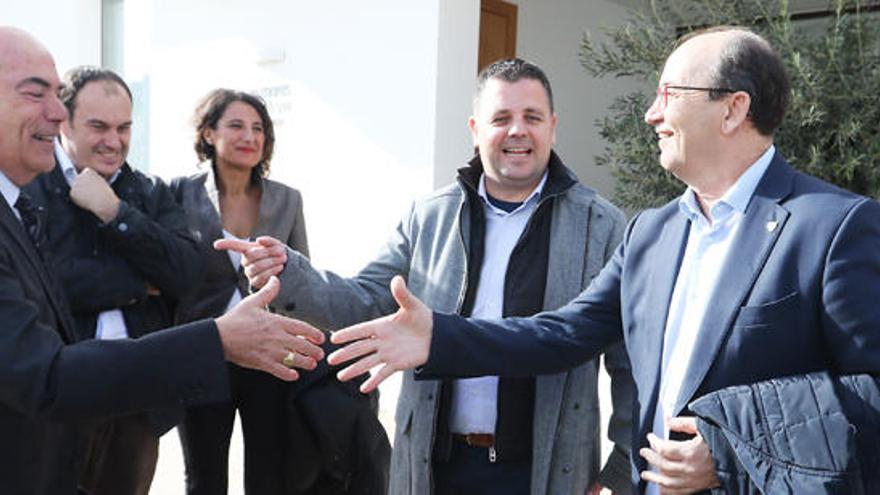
[{"x": 50, "y": 384}]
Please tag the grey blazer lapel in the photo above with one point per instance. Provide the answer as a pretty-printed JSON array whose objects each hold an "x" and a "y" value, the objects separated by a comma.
[
  {"x": 761, "y": 225},
  {"x": 212, "y": 222},
  {"x": 213, "y": 195},
  {"x": 270, "y": 205}
]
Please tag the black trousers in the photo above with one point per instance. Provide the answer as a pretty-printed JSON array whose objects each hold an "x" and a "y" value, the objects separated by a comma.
[
  {"x": 206, "y": 431},
  {"x": 469, "y": 471},
  {"x": 119, "y": 457}
]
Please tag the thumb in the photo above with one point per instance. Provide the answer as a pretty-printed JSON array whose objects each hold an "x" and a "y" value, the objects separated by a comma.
[
  {"x": 267, "y": 294},
  {"x": 266, "y": 241},
  {"x": 402, "y": 295},
  {"x": 232, "y": 244},
  {"x": 682, "y": 424}
]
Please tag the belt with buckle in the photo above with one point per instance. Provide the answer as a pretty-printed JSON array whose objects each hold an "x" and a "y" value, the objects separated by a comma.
[{"x": 484, "y": 440}]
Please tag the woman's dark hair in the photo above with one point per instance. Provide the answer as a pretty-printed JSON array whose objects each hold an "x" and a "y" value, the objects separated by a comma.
[{"x": 208, "y": 113}]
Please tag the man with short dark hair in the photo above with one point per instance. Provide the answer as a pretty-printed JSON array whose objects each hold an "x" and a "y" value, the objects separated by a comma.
[
  {"x": 119, "y": 244},
  {"x": 742, "y": 302},
  {"x": 49, "y": 382},
  {"x": 515, "y": 235}
]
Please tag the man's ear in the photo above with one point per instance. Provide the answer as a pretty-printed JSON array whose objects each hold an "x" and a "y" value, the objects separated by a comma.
[
  {"x": 736, "y": 112},
  {"x": 472, "y": 125}
]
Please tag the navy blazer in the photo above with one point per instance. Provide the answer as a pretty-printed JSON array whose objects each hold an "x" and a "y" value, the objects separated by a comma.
[
  {"x": 48, "y": 384},
  {"x": 800, "y": 292}
]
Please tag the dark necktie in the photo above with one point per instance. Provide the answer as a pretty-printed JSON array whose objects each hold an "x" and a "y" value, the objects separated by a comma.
[{"x": 32, "y": 220}]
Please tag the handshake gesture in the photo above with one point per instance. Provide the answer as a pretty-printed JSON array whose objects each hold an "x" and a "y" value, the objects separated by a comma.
[
  {"x": 399, "y": 341},
  {"x": 402, "y": 340}
]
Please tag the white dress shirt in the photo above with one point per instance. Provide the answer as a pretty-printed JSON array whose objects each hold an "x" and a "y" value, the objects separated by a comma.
[
  {"x": 10, "y": 193},
  {"x": 708, "y": 246},
  {"x": 474, "y": 400}
]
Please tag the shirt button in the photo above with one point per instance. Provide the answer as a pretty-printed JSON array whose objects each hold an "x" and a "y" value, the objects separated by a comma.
[{"x": 123, "y": 227}]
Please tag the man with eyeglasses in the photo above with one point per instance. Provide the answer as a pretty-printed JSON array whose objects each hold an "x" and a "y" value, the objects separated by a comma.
[{"x": 743, "y": 302}]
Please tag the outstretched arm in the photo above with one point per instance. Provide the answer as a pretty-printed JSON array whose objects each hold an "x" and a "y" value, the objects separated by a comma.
[
  {"x": 322, "y": 297},
  {"x": 43, "y": 376},
  {"x": 547, "y": 343}
]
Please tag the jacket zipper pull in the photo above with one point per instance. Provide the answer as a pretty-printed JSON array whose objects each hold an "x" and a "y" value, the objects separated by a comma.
[{"x": 493, "y": 456}]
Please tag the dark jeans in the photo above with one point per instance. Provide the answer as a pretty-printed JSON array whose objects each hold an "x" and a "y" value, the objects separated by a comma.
[
  {"x": 120, "y": 457},
  {"x": 205, "y": 433},
  {"x": 469, "y": 471}
]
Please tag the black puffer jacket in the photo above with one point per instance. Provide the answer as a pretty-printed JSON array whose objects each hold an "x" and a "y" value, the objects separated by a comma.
[{"x": 809, "y": 434}]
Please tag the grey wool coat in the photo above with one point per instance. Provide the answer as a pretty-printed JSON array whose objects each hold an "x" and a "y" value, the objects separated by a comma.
[{"x": 429, "y": 248}]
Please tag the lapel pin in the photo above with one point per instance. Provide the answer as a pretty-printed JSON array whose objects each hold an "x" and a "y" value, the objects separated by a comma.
[{"x": 771, "y": 225}]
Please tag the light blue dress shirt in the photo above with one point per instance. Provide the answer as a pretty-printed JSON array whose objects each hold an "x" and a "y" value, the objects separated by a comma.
[
  {"x": 474, "y": 406},
  {"x": 708, "y": 246}
]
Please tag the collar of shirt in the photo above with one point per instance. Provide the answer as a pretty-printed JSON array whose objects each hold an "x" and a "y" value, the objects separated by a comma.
[
  {"x": 10, "y": 192},
  {"x": 67, "y": 167},
  {"x": 534, "y": 197},
  {"x": 736, "y": 199}
]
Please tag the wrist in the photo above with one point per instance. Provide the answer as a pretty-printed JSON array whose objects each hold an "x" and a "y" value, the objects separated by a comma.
[{"x": 109, "y": 211}]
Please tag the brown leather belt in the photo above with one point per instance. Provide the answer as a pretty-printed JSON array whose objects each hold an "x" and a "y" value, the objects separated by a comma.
[{"x": 484, "y": 440}]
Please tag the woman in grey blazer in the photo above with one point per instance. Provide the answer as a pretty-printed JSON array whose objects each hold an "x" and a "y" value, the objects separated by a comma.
[{"x": 233, "y": 198}]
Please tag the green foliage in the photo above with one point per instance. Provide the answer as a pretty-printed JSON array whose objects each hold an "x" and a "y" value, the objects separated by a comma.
[{"x": 832, "y": 129}]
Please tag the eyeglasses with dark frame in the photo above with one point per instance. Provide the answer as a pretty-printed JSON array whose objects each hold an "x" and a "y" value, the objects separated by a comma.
[{"x": 663, "y": 92}]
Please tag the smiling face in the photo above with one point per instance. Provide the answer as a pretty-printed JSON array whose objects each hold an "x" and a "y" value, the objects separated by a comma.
[
  {"x": 98, "y": 133},
  {"x": 238, "y": 138},
  {"x": 30, "y": 111},
  {"x": 514, "y": 129},
  {"x": 688, "y": 127}
]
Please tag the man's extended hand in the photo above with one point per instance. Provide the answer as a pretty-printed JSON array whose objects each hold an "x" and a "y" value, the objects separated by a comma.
[
  {"x": 681, "y": 466},
  {"x": 255, "y": 338},
  {"x": 397, "y": 342},
  {"x": 261, "y": 259},
  {"x": 92, "y": 192}
]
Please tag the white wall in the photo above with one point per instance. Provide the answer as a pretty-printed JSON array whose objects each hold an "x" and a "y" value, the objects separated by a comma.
[
  {"x": 354, "y": 91},
  {"x": 549, "y": 33},
  {"x": 71, "y": 29},
  {"x": 457, "y": 72}
]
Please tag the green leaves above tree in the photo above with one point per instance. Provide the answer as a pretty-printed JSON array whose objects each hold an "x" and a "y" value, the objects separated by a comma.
[{"x": 832, "y": 129}]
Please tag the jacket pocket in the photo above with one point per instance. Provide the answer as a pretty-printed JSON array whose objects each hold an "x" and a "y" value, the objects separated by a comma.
[{"x": 781, "y": 311}]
